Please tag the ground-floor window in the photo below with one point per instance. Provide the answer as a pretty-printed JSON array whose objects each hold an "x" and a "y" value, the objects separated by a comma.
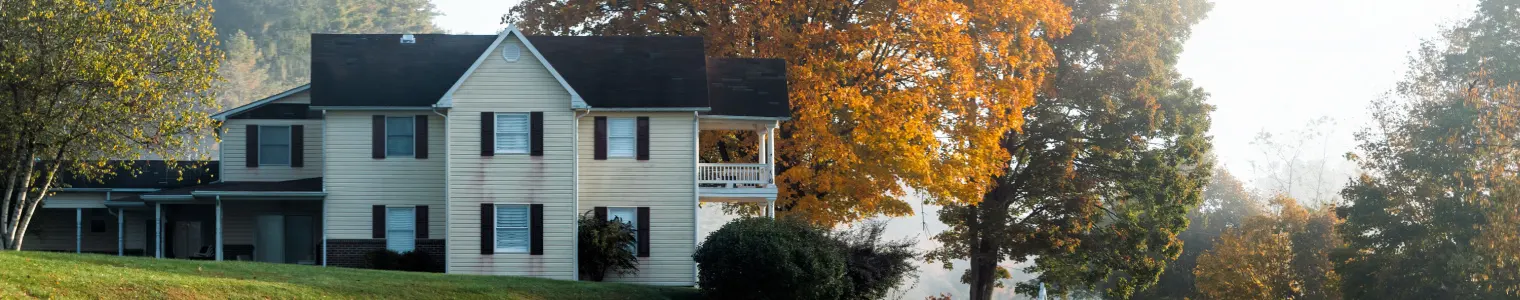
[{"x": 400, "y": 229}]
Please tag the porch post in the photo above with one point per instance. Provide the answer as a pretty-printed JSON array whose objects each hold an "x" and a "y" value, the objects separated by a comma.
[
  {"x": 770, "y": 156},
  {"x": 770, "y": 207},
  {"x": 78, "y": 229},
  {"x": 158, "y": 230},
  {"x": 121, "y": 215},
  {"x": 218, "y": 246}
]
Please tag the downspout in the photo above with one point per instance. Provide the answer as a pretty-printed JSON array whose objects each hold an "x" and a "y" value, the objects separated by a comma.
[
  {"x": 575, "y": 193},
  {"x": 696, "y": 191},
  {"x": 448, "y": 223},
  {"x": 325, "y": 222}
]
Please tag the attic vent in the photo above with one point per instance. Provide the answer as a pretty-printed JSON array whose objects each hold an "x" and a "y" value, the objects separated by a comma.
[
  {"x": 511, "y": 52},
  {"x": 408, "y": 39}
]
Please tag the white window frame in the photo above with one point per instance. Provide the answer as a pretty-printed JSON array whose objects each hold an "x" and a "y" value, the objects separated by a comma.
[
  {"x": 496, "y": 232},
  {"x": 633, "y": 137},
  {"x": 413, "y": 224},
  {"x": 289, "y": 144},
  {"x": 501, "y": 135},
  {"x": 633, "y": 223},
  {"x": 413, "y": 149}
]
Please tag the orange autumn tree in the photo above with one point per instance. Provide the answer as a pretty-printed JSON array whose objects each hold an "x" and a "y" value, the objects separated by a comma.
[{"x": 886, "y": 96}]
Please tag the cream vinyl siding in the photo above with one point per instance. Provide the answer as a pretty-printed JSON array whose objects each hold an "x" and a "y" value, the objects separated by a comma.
[
  {"x": 235, "y": 152},
  {"x": 355, "y": 182},
  {"x": 664, "y": 183},
  {"x": 499, "y": 86},
  {"x": 78, "y": 200}
]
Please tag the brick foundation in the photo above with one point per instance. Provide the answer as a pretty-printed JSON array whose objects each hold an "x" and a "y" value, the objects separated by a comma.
[{"x": 350, "y": 253}]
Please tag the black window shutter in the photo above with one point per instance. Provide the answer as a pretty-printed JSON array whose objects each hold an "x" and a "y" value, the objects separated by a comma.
[
  {"x": 601, "y": 138},
  {"x": 377, "y": 228},
  {"x": 600, "y": 212},
  {"x": 422, "y": 221},
  {"x": 297, "y": 146},
  {"x": 487, "y": 229},
  {"x": 643, "y": 138},
  {"x": 487, "y": 134},
  {"x": 253, "y": 146},
  {"x": 536, "y": 231},
  {"x": 377, "y": 138},
  {"x": 643, "y": 232},
  {"x": 536, "y": 134},
  {"x": 420, "y": 142}
]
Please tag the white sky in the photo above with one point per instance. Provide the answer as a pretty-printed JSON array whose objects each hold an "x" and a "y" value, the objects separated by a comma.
[{"x": 1270, "y": 65}]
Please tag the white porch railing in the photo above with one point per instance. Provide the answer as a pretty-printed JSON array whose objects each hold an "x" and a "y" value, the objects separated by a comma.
[{"x": 733, "y": 175}]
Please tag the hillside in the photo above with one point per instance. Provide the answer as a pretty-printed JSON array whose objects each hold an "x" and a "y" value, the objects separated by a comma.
[{"x": 61, "y": 275}]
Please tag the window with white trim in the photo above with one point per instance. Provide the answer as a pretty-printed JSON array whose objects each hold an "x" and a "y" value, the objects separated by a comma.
[
  {"x": 621, "y": 137},
  {"x": 512, "y": 133},
  {"x": 401, "y": 228},
  {"x": 400, "y": 136},
  {"x": 630, "y": 216},
  {"x": 274, "y": 145},
  {"x": 512, "y": 235}
]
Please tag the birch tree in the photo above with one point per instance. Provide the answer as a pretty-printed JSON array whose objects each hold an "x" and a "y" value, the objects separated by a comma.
[{"x": 85, "y": 81}]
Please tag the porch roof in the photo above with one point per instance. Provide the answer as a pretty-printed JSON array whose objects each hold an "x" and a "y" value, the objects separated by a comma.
[{"x": 299, "y": 188}]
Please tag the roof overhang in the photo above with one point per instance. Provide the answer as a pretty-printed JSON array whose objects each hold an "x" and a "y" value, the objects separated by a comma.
[
  {"x": 397, "y": 108},
  {"x": 447, "y": 101},
  {"x": 746, "y": 118},
  {"x": 120, "y": 190},
  {"x": 222, "y": 116},
  {"x": 652, "y": 109}
]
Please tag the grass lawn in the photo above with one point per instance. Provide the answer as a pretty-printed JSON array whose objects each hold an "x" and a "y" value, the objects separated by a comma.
[{"x": 66, "y": 275}]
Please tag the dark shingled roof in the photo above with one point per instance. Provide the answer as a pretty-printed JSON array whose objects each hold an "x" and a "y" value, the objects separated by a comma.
[
  {"x": 607, "y": 71},
  {"x": 313, "y": 184},
  {"x": 378, "y": 70},
  {"x": 748, "y": 87},
  {"x": 146, "y": 174},
  {"x": 630, "y": 71}
]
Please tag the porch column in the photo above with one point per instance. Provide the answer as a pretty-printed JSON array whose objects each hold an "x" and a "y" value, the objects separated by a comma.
[
  {"x": 121, "y": 215},
  {"x": 770, "y": 155},
  {"x": 218, "y": 246},
  {"x": 770, "y": 207},
  {"x": 158, "y": 230},
  {"x": 78, "y": 229}
]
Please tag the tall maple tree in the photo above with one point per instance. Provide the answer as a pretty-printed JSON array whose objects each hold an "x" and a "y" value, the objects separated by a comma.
[
  {"x": 1109, "y": 162},
  {"x": 886, "y": 96},
  {"x": 1282, "y": 253}
]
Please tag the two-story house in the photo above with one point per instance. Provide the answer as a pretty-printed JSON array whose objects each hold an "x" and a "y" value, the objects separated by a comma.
[{"x": 482, "y": 150}]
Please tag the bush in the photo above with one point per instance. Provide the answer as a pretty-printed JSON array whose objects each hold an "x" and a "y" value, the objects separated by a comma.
[
  {"x": 875, "y": 267},
  {"x": 760, "y": 258},
  {"x": 415, "y": 261},
  {"x": 382, "y": 259},
  {"x": 418, "y": 261},
  {"x": 605, "y": 246}
]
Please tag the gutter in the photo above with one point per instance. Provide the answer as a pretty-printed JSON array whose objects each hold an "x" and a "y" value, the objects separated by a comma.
[
  {"x": 650, "y": 109},
  {"x": 108, "y": 190},
  {"x": 255, "y": 194}
]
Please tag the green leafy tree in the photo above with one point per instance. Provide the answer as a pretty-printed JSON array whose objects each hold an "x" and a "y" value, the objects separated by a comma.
[
  {"x": 1433, "y": 217},
  {"x": 1110, "y": 160},
  {"x": 606, "y": 246},
  {"x": 81, "y": 81},
  {"x": 1226, "y": 204},
  {"x": 280, "y": 31}
]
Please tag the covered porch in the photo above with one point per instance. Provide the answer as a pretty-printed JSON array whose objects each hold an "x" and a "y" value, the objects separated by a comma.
[
  {"x": 277, "y": 222},
  {"x": 743, "y": 182}
]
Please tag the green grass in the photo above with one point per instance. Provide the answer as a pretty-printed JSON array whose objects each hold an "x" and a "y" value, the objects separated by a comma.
[{"x": 64, "y": 275}]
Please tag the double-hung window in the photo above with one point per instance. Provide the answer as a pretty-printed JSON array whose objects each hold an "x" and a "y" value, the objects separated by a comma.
[
  {"x": 274, "y": 145},
  {"x": 400, "y": 136},
  {"x": 401, "y": 228},
  {"x": 512, "y": 228},
  {"x": 630, "y": 216},
  {"x": 621, "y": 137},
  {"x": 512, "y": 131}
]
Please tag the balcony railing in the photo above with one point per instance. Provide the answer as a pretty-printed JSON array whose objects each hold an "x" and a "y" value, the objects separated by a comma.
[{"x": 734, "y": 175}]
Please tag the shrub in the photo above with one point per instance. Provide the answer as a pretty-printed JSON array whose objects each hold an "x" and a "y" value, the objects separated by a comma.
[
  {"x": 759, "y": 258},
  {"x": 382, "y": 259},
  {"x": 605, "y": 246},
  {"x": 415, "y": 261},
  {"x": 874, "y": 267},
  {"x": 418, "y": 261}
]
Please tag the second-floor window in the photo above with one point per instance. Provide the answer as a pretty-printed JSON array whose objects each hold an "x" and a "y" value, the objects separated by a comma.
[
  {"x": 621, "y": 137},
  {"x": 512, "y": 130},
  {"x": 400, "y": 134},
  {"x": 274, "y": 145}
]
